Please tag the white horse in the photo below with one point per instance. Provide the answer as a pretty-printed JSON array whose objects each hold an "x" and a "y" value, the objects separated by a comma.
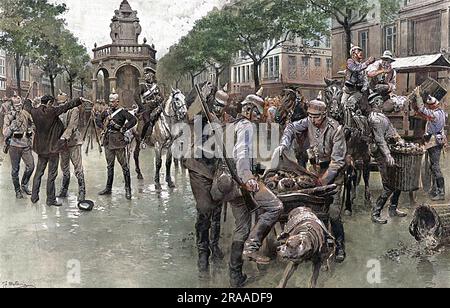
[{"x": 163, "y": 136}]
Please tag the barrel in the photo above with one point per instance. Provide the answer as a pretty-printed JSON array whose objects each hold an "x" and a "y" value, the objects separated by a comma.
[
  {"x": 431, "y": 225},
  {"x": 405, "y": 176}
]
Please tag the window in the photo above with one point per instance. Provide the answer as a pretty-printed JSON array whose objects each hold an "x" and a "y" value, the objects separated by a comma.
[
  {"x": 266, "y": 68},
  {"x": 239, "y": 75},
  {"x": 271, "y": 71},
  {"x": 276, "y": 70},
  {"x": 248, "y": 74},
  {"x": 292, "y": 64},
  {"x": 2, "y": 67},
  {"x": 390, "y": 38},
  {"x": 318, "y": 62},
  {"x": 329, "y": 64},
  {"x": 316, "y": 43},
  {"x": 235, "y": 76},
  {"x": 2, "y": 85},
  {"x": 305, "y": 61},
  {"x": 363, "y": 41},
  {"x": 327, "y": 42}
]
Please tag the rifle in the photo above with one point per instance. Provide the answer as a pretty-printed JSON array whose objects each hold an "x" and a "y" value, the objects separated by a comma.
[
  {"x": 248, "y": 197},
  {"x": 8, "y": 140}
]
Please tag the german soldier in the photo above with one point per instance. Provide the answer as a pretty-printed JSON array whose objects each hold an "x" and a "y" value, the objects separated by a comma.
[
  {"x": 148, "y": 97},
  {"x": 118, "y": 122},
  {"x": 327, "y": 153},
  {"x": 201, "y": 174},
  {"x": 383, "y": 133},
  {"x": 18, "y": 131},
  {"x": 71, "y": 152},
  {"x": 247, "y": 241}
]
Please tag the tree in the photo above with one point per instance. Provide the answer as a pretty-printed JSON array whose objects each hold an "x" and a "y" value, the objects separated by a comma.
[
  {"x": 75, "y": 59},
  {"x": 22, "y": 24},
  {"x": 251, "y": 24},
  {"x": 350, "y": 13}
]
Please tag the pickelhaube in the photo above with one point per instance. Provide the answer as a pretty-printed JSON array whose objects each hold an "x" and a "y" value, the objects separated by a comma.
[{"x": 317, "y": 107}]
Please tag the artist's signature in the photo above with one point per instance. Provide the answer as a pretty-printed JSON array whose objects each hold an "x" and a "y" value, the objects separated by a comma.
[{"x": 15, "y": 285}]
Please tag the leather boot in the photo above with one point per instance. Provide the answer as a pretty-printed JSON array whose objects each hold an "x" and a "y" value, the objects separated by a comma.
[
  {"x": 81, "y": 189},
  {"x": 64, "y": 188},
  {"x": 237, "y": 278},
  {"x": 25, "y": 180},
  {"x": 394, "y": 212},
  {"x": 376, "y": 212},
  {"x": 440, "y": 196},
  {"x": 340, "y": 252},
  {"x": 127, "y": 177},
  {"x": 109, "y": 183},
  {"x": 203, "y": 250},
  {"x": 434, "y": 189},
  {"x": 254, "y": 243},
  {"x": 17, "y": 189},
  {"x": 338, "y": 232},
  {"x": 216, "y": 252}
]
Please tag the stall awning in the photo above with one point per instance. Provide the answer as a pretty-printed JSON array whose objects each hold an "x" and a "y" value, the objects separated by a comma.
[{"x": 426, "y": 63}]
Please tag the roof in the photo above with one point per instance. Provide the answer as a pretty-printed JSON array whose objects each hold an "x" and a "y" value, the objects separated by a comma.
[{"x": 426, "y": 63}]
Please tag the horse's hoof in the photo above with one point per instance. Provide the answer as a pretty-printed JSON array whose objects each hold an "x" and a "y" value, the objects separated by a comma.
[
  {"x": 158, "y": 186},
  {"x": 140, "y": 176},
  {"x": 171, "y": 184}
]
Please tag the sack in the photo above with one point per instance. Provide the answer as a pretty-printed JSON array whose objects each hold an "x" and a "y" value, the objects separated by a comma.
[
  {"x": 224, "y": 188},
  {"x": 431, "y": 143}
]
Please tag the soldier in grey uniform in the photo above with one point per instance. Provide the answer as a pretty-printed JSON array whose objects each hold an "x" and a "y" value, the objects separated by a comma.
[
  {"x": 201, "y": 174},
  {"x": 356, "y": 83},
  {"x": 118, "y": 122},
  {"x": 383, "y": 134},
  {"x": 148, "y": 97},
  {"x": 435, "y": 140},
  {"x": 18, "y": 131},
  {"x": 247, "y": 242},
  {"x": 327, "y": 153},
  {"x": 71, "y": 152}
]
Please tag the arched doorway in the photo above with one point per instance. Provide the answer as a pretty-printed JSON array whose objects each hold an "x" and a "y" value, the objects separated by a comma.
[
  {"x": 127, "y": 82},
  {"x": 103, "y": 88}
]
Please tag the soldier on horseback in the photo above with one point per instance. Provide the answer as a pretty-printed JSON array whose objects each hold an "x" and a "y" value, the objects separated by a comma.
[
  {"x": 149, "y": 99},
  {"x": 356, "y": 83}
]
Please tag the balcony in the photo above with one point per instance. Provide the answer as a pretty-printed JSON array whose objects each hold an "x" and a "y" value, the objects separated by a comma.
[{"x": 124, "y": 51}]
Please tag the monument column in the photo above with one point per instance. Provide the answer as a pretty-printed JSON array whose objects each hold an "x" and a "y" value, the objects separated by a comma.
[{"x": 94, "y": 89}]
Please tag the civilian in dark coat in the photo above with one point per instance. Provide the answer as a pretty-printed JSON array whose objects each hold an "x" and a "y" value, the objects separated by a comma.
[{"x": 47, "y": 144}]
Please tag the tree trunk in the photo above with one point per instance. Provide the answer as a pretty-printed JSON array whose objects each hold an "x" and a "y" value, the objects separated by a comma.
[
  {"x": 348, "y": 38},
  {"x": 192, "y": 80},
  {"x": 71, "y": 89},
  {"x": 82, "y": 87},
  {"x": 18, "y": 67},
  {"x": 52, "y": 84},
  {"x": 256, "y": 66}
]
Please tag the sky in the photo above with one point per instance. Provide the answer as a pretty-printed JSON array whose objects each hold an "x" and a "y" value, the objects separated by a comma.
[{"x": 163, "y": 22}]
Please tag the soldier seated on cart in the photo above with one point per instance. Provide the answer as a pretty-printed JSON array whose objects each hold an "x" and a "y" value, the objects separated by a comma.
[
  {"x": 327, "y": 154},
  {"x": 383, "y": 133}
]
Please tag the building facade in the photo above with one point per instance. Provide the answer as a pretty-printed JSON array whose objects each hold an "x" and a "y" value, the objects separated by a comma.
[
  {"x": 422, "y": 28},
  {"x": 296, "y": 62},
  {"x": 2, "y": 73}
]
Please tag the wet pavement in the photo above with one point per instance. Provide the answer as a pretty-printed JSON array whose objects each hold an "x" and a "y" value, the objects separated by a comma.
[{"x": 149, "y": 241}]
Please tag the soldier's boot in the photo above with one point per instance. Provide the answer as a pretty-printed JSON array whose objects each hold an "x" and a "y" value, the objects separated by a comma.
[
  {"x": 237, "y": 278},
  {"x": 340, "y": 252},
  {"x": 81, "y": 189},
  {"x": 127, "y": 177},
  {"x": 394, "y": 212},
  {"x": 434, "y": 189},
  {"x": 109, "y": 183},
  {"x": 25, "y": 181},
  {"x": 254, "y": 243},
  {"x": 376, "y": 212},
  {"x": 203, "y": 251},
  {"x": 63, "y": 193},
  {"x": 17, "y": 188},
  {"x": 216, "y": 252},
  {"x": 440, "y": 196},
  {"x": 338, "y": 232}
]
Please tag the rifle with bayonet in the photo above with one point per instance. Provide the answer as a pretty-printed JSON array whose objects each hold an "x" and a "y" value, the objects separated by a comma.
[{"x": 248, "y": 197}]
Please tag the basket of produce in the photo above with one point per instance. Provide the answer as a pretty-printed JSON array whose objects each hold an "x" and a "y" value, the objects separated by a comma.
[{"x": 405, "y": 175}]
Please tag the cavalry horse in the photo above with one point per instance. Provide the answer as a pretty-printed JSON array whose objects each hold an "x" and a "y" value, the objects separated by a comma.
[
  {"x": 357, "y": 135},
  {"x": 163, "y": 136}
]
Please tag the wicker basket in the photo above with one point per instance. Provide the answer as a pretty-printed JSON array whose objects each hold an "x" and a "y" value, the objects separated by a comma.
[{"x": 406, "y": 175}]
